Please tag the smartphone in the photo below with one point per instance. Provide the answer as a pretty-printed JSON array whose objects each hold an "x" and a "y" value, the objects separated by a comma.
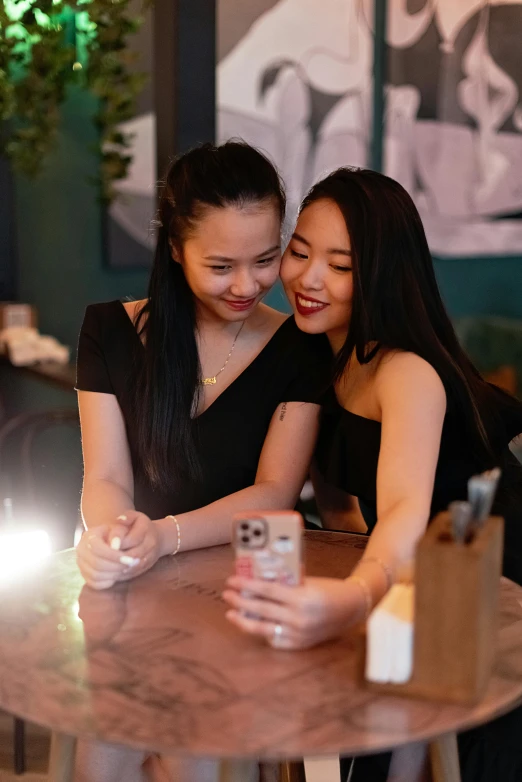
[{"x": 269, "y": 546}]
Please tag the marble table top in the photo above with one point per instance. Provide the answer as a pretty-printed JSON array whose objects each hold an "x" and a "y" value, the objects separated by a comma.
[{"x": 153, "y": 664}]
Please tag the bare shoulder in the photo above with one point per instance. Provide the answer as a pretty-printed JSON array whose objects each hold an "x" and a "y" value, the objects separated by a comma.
[
  {"x": 133, "y": 308},
  {"x": 409, "y": 377}
]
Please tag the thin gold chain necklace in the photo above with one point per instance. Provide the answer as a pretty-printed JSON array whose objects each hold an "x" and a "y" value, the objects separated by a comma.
[{"x": 211, "y": 381}]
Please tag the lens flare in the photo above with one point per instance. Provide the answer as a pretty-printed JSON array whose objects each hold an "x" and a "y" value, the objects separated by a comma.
[{"x": 21, "y": 552}]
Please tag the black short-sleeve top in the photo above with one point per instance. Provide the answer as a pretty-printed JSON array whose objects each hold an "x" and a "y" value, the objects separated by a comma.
[{"x": 292, "y": 367}]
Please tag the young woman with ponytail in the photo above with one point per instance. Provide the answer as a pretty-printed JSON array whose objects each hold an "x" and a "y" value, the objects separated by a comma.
[
  {"x": 197, "y": 402},
  {"x": 191, "y": 401}
]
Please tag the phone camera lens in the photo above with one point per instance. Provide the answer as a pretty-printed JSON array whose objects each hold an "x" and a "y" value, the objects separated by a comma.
[
  {"x": 244, "y": 525},
  {"x": 245, "y": 539},
  {"x": 257, "y": 532}
]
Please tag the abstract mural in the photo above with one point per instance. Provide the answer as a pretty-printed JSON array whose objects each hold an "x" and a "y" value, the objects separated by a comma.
[
  {"x": 294, "y": 77},
  {"x": 297, "y": 83},
  {"x": 454, "y": 120}
]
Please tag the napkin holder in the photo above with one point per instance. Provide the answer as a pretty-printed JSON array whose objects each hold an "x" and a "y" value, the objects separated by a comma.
[{"x": 455, "y": 614}]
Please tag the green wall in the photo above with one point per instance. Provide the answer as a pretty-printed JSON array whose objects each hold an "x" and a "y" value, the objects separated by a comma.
[
  {"x": 481, "y": 286},
  {"x": 59, "y": 226}
]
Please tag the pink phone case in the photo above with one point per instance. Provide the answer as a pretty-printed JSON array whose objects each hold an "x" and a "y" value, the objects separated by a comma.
[{"x": 269, "y": 546}]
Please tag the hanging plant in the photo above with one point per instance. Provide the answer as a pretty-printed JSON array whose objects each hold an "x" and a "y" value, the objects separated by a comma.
[
  {"x": 7, "y": 43},
  {"x": 111, "y": 80},
  {"x": 34, "y": 75},
  {"x": 44, "y": 46}
]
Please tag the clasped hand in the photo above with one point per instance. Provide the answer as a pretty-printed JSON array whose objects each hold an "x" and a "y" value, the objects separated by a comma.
[{"x": 108, "y": 553}]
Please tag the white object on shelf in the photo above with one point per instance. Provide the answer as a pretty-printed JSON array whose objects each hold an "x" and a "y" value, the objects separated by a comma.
[{"x": 25, "y": 346}]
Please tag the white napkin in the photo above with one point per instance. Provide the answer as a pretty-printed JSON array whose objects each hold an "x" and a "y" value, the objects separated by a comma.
[{"x": 389, "y": 655}]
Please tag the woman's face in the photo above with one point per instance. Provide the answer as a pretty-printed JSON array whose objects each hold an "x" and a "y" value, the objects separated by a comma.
[
  {"x": 317, "y": 271},
  {"x": 232, "y": 259}
]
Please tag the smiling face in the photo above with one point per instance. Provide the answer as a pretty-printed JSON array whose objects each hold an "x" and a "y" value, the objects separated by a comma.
[
  {"x": 231, "y": 259},
  {"x": 317, "y": 271}
]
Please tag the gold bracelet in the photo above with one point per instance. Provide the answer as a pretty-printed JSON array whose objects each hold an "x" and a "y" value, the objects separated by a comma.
[
  {"x": 388, "y": 572},
  {"x": 178, "y": 544},
  {"x": 366, "y": 592}
]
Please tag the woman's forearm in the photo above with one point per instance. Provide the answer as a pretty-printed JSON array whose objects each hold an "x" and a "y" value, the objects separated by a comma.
[
  {"x": 391, "y": 546},
  {"x": 103, "y": 501},
  {"x": 212, "y": 525}
]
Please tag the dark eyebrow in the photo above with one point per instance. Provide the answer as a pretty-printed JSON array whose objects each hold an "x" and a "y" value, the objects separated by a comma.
[
  {"x": 339, "y": 251},
  {"x": 224, "y": 259},
  {"x": 330, "y": 250},
  {"x": 269, "y": 251},
  {"x": 300, "y": 238}
]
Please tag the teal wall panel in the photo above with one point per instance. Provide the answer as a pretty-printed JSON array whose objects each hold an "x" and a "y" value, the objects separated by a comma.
[
  {"x": 481, "y": 286},
  {"x": 59, "y": 230}
]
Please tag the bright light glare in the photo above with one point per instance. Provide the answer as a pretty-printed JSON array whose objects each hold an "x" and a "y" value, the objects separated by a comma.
[{"x": 21, "y": 551}]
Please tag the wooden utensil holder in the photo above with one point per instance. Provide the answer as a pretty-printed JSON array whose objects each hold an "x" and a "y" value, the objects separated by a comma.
[{"x": 456, "y": 613}]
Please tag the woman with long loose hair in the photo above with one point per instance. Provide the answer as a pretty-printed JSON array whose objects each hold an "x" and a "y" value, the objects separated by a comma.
[{"x": 409, "y": 419}]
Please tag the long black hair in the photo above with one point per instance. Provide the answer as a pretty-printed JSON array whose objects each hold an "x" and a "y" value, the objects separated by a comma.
[
  {"x": 396, "y": 301},
  {"x": 167, "y": 380}
]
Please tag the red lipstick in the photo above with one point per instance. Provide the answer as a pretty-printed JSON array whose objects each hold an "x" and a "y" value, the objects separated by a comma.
[
  {"x": 240, "y": 306},
  {"x": 307, "y": 309}
]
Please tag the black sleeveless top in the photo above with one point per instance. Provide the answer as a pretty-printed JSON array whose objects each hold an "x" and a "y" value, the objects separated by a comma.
[
  {"x": 292, "y": 367},
  {"x": 347, "y": 455}
]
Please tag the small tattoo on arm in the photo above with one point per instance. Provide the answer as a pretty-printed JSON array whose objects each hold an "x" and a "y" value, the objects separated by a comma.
[{"x": 283, "y": 412}]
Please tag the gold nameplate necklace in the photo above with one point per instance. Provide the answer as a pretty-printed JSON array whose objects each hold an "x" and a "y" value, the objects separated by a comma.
[{"x": 211, "y": 381}]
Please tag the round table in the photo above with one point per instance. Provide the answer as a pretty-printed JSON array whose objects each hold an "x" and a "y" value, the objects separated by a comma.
[{"x": 153, "y": 664}]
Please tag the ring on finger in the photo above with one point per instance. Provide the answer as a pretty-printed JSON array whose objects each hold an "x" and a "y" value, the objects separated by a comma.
[{"x": 277, "y": 635}]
